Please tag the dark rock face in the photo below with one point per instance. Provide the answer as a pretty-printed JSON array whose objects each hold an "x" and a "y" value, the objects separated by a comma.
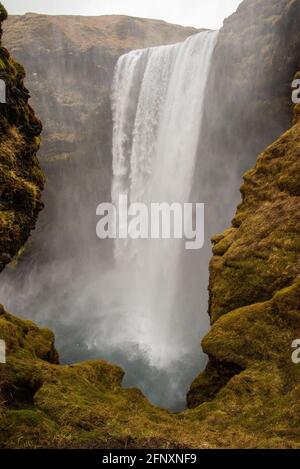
[
  {"x": 70, "y": 62},
  {"x": 249, "y": 92},
  {"x": 21, "y": 179}
]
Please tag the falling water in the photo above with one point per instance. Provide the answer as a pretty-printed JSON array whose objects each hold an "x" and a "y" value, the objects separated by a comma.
[{"x": 157, "y": 103}]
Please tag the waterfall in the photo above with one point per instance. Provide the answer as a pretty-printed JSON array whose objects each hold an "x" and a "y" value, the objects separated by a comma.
[
  {"x": 145, "y": 309},
  {"x": 157, "y": 102}
]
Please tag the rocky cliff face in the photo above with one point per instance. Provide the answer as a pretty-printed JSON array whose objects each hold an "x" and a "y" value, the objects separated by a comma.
[
  {"x": 21, "y": 179},
  {"x": 70, "y": 62},
  {"x": 254, "y": 291},
  {"x": 248, "y": 99}
]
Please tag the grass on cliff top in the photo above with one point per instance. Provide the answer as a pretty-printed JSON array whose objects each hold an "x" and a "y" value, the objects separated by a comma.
[
  {"x": 20, "y": 192},
  {"x": 260, "y": 254}
]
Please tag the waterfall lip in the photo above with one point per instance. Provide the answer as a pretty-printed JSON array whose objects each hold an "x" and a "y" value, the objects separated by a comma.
[{"x": 166, "y": 46}]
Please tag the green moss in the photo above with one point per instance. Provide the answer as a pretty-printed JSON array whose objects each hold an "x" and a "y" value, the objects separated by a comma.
[{"x": 260, "y": 255}]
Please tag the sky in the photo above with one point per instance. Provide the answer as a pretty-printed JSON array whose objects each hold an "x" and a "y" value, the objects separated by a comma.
[{"x": 198, "y": 13}]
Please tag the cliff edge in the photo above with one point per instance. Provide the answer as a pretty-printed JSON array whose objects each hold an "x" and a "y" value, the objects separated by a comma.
[
  {"x": 21, "y": 178},
  {"x": 255, "y": 302}
]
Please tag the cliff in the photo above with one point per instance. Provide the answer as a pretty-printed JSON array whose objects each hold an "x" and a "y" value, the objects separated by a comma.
[
  {"x": 248, "y": 95},
  {"x": 259, "y": 256},
  {"x": 254, "y": 297},
  {"x": 69, "y": 62},
  {"x": 21, "y": 179}
]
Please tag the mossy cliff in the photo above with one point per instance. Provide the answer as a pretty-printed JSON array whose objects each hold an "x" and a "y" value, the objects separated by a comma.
[
  {"x": 255, "y": 294},
  {"x": 21, "y": 179},
  {"x": 48, "y": 405}
]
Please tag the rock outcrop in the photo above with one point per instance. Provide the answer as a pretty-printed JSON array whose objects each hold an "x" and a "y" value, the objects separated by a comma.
[
  {"x": 256, "y": 59},
  {"x": 43, "y": 404},
  {"x": 255, "y": 298},
  {"x": 21, "y": 179},
  {"x": 248, "y": 395}
]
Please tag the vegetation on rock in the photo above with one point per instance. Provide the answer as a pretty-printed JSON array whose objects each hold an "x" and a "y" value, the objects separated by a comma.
[
  {"x": 21, "y": 179},
  {"x": 248, "y": 396},
  {"x": 248, "y": 96},
  {"x": 255, "y": 301},
  {"x": 69, "y": 64}
]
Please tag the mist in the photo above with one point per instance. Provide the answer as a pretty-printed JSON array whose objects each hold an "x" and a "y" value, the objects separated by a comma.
[{"x": 142, "y": 305}]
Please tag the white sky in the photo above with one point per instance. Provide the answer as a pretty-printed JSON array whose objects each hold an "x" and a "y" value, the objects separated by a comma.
[{"x": 198, "y": 13}]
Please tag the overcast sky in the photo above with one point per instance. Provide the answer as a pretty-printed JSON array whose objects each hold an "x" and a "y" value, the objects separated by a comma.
[{"x": 199, "y": 13}]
